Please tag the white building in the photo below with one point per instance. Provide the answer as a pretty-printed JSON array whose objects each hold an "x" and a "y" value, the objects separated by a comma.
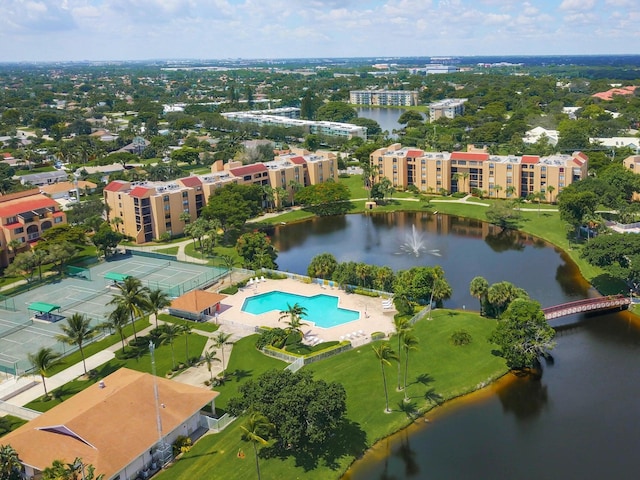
[
  {"x": 406, "y": 98},
  {"x": 535, "y": 134},
  {"x": 448, "y": 108}
]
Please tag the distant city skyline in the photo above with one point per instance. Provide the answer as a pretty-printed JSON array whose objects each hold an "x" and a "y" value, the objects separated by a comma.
[{"x": 74, "y": 30}]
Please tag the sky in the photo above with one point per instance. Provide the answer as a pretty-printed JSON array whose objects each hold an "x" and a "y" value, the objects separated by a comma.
[{"x": 63, "y": 30}]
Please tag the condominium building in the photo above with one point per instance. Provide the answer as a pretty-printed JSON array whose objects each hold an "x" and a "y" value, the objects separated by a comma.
[
  {"x": 448, "y": 108},
  {"x": 149, "y": 210},
  {"x": 24, "y": 216},
  {"x": 498, "y": 176},
  {"x": 317, "y": 127},
  {"x": 407, "y": 98}
]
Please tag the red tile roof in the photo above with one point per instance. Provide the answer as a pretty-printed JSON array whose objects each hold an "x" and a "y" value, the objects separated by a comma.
[
  {"x": 197, "y": 301},
  {"x": 530, "y": 159},
  {"x": 139, "y": 192},
  {"x": 191, "y": 181},
  {"x": 298, "y": 160},
  {"x": 116, "y": 186},
  {"x": 414, "y": 153},
  {"x": 248, "y": 169},
  {"x": 608, "y": 95},
  {"x": 478, "y": 157},
  {"x": 26, "y": 204}
]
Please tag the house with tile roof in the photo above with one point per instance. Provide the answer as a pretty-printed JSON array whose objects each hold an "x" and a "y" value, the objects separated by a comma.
[
  {"x": 196, "y": 305},
  {"x": 24, "y": 216},
  {"x": 116, "y": 425}
]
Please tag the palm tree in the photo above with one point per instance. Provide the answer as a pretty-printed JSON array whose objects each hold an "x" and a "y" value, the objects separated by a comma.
[
  {"x": 42, "y": 361},
  {"x": 402, "y": 327},
  {"x": 551, "y": 189},
  {"x": 220, "y": 340},
  {"x": 409, "y": 342},
  {"x": 185, "y": 329},
  {"x": 118, "y": 320},
  {"x": 10, "y": 465},
  {"x": 133, "y": 297},
  {"x": 255, "y": 430},
  {"x": 157, "y": 301},
  {"x": 170, "y": 332},
  {"x": 77, "y": 331},
  {"x": 295, "y": 313},
  {"x": 385, "y": 354},
  {"x": 465, "y": 177},
  {"x": 510, "y": 190},
  {"x": 497, "y": 189},
  {"x": 117, "y": 221},
  {"x": 478, "y": 289},
  {"x": 228, "y": 262},
  {"x": 209, "y": 358},
  {"x": 456, "y": 178}
]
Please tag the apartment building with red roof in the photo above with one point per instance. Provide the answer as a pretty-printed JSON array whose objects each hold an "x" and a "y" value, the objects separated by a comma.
[
  {"x": 497, "y": 176},
  {"x": 24, "y": 216}
]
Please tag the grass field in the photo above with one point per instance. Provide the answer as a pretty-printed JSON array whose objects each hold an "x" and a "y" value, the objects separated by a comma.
[{"x": 437, "y": 371}]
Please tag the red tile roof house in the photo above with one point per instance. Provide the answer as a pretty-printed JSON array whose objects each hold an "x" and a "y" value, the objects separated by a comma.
[
  {"x": 196, "y": 305},
  {"x": 113, "y": 426}
]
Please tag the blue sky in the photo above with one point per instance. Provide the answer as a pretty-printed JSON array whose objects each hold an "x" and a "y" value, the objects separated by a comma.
[{"x": 49, "y": 30}]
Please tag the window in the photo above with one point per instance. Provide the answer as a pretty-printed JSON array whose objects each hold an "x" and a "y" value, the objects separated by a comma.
[
  {"x": 165, "y": 198},
  {"x": 185, "y": 194},
  {"x": 19, "y": 230},
  {"x": 11, "y": 220},
  {"x": 57, "y": 220}
]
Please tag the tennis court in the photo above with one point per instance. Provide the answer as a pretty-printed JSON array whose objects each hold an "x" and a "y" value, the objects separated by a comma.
[{"x": 87, "y": 294}]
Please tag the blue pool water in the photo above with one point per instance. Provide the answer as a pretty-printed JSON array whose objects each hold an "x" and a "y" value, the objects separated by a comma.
[{"x": 322, "y": 309}]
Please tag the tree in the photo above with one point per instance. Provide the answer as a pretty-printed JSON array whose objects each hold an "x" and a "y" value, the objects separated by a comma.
[
  {"x": 257, "y": 250},
  {"x": 255, "y": 430},
  {"x": 523, "y": 334},
  {"x": 328, "y": 198},
  {"x": 232, "y": 205},
  {"x": 385, "y": 354},
  {"x": 42, "y": 361},
  {"x": 106, "y": 240},
  {"x": 402, "y": 327},
  {"x": 77, "y": 470},
  {"x": 209, "y": 358},
  {"x": 550, "y": 190},
  {"x": 294, "y": 313},
  {"x": 219, "y": 341},
  {"x": 500, "y": 295},
  {"x": 185, "y": 329},
  {"x": 157, "y": 301},
  {"x": 409, "y": 342},
  {"x": 574, "y": 206},
  {"x": 336, "y": 112},
  {"x": 23, "y": 265},
  {"x": 478, "y": 288},
  {"x": 420, "y": 284},
  {"x": 171, "y": 331},
  {"x": 410, "y": 115},
  {"x": 504, "y": 215},
  {"x": 186, "y": 155},
  {"x": 10, "y": 465},
  {"x": 77, "y": 331},
  {"x": 322, "y": 266},
  {"x": 228, "y": 262},
  {"x": 118, "y": 320},
  {"x": 133, "y": 297},
  {"x": 315, "y": 409}
]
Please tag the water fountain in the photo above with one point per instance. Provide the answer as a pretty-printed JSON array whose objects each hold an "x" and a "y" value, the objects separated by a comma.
[{"x": 414, "y": 244}]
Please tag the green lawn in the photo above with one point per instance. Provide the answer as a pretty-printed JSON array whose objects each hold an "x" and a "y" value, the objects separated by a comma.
[
  {"x": 9, "y": 423},
  {"x": 169, "y": 250},
  {"x": 437, "y": 371},
  {"x": 163, "y": 360}
]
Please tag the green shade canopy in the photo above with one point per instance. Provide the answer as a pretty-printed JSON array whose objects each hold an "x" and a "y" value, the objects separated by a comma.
[
  {"x": 116, "y": 277},
  {"x": 43, "y": 307}
]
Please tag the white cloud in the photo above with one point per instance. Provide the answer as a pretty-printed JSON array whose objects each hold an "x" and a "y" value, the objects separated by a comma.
[{"x": 577, "y": 5}]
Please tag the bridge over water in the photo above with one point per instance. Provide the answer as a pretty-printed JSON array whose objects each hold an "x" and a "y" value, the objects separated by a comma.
[{"x": 597, "y": 304}]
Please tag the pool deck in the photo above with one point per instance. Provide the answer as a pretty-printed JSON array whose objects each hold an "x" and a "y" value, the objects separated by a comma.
[{"x": 373, "y": 317}]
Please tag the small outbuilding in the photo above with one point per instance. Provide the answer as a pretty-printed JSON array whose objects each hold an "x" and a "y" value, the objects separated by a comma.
[{"x": 196, "y": 305}]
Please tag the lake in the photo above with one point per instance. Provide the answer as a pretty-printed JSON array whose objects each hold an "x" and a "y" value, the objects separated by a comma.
[
  {"x": 579, "y": 421},
  {"x": 386, "y": 117}
]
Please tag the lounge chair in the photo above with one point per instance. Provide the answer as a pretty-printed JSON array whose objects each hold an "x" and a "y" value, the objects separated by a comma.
[
  {"x": 341, "y": 338},
  {"x": 250, "y": 282},
  {"x": 355, "y": 334},
  {"x": 262, "y": 279},
  {"x": 361, "y": 333}
]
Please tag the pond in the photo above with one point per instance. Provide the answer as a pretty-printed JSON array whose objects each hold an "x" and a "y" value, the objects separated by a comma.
[{"x": 579, "y": 421}]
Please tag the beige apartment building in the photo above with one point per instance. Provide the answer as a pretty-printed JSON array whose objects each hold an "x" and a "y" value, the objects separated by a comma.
[
  {"x": 148, "y": 210},
  {"x": 498, "y": 176},
  {"x": 24, "y": 216}
]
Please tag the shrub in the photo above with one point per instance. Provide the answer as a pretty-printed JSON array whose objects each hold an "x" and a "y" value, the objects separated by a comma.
[
  {"x": 377, "y": 335},
  {"x": 458, "y": 194},
  {"x": 230, "y": 290},
  {"x": 275, "y": 337},
  {"x": 461, "y": 337},
  {"x": 181, "y": 445},
  {"x": 366, "y": 293}
]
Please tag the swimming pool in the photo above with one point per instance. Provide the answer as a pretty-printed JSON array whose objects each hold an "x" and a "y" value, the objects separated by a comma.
[{"x": 321, "y": 309}]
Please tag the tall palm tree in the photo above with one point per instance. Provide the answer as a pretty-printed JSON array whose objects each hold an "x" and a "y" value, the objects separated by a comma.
[
  {"x": 228, "y": 262},
  {"x": 294, "y": 313},
  {"x": 456, "y": 178},
  {"x": 157, "y": 301},
  {"x": 220, "y": 340},
  {"x": 255, "y": 430},
  {"x": 9, "y": 462},
  {"x": 185, "y": 329},
  {"x": 465, "y": 177},
  {"x": 209, "y": 358},
  {"x": 402, "y": 327},
  {"x": 385, "y": 354},
  {"x": 169, "y": 334},
  {"x": 118, "y": 320},
  {"x": 551, "y": 189},
  {"x": 478, "y": 288},
  {"x": 409, "y": 342},
  {"x": 133, "y": 297},
  {"x": 510, "y": 190},
  {"x": 42, "y": 361},
  {"x": 77, "y": 331}
]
